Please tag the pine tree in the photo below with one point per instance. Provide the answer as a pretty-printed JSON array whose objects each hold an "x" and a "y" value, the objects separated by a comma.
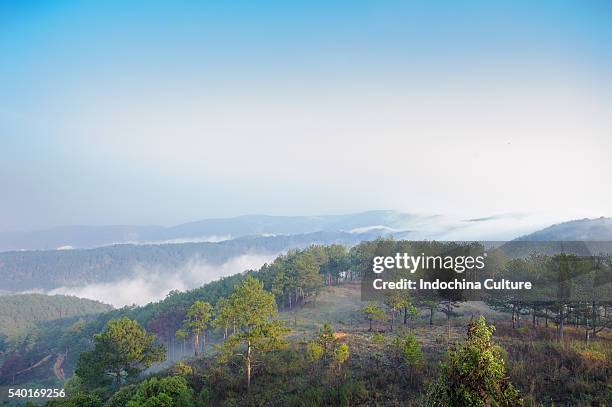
[
  {"x": 474, "y": 375},
  {"x": 258, "y": 329},
  {"x": 123, "y": 349},
  {"x": 198, "y": 319}
]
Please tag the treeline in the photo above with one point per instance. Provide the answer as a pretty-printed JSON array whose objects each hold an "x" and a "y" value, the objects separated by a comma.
[
  {"x": 567, "y": 288},
  {"x": 570, "y": 290}
]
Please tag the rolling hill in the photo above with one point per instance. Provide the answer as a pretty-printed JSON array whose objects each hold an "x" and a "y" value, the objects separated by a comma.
[
  {"x": 599, "y": 229},
  {"x": 19, "y": 313}
]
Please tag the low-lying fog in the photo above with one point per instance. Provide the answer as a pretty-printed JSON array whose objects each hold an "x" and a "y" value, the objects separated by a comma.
[{"x": 153, "y": 284}]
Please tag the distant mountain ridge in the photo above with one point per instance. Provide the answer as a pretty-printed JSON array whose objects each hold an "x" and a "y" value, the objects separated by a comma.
[
  {"x": 401, "y": 225},
  {"x": 68, "y": 237},
  {"x": 208, "y": 230},
  {"x": 597, "y": 229}
]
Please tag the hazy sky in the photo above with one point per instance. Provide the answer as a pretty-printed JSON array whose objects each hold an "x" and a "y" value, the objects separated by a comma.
[{"x": 164, "y": 112}]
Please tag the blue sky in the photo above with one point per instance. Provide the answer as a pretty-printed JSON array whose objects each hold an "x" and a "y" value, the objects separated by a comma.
[{"x": 162, "y": 112}]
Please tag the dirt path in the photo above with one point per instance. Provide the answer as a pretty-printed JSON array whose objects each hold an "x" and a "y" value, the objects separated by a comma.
[{"x": 57, "y": 366}]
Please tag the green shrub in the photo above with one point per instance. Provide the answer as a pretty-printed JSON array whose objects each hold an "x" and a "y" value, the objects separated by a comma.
[
  {"x": 121, "y": 397},
  {"x": 378, "y": 338},
  {"x": 314, "y": 351},
  {"x": 168, "y": 391},
  {"x": 474, "y": 375},
  {"x": 79, "y": 399},
  {"x": 409, "y": 349},
  {"x": 341, "y": 354}
]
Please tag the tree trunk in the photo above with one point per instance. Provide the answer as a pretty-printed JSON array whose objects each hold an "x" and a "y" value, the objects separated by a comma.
[
  {"x": 196, "y": 344},
  {"x": 431, "y": 312},
  {"x": 370, "y": 330},
  {"x": 248, "y": 365},
  {"x": 587, "y": 332},
  {"x": 405, "y": 315},
  {"x": 561, "y": 319}
]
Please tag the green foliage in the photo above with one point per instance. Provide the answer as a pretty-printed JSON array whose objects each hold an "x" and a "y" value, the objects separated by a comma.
[
  {"x": 341, "y": 354},
  {"x": 258, "y": 330},
  {"x": 394, "y": 302},
  {"x": 412, "y": 311},
  {"x": 474, "y": 375},
  {"x": 223, "y": 316},
  {"x": 20, "y": 313},
  {"x": 378, "y": 338},
  {"x": 314, "y": 351},
  {"x": 327, "y": 338},
  {"x": 171, "y": 391},
  {"x": 409, "y": 349},
  {"x": 373, "y": 312},
  {"x": 199, "y": 316},
  {"x": 122, "y": 350},
  {"x": 181, "y": 369},
  {"x": 296, "y": 276},
  {"x": 73, "y": 385},
  {"x": 121, "y": 397},
  {"x": 347, "y": 393},
  {"x": 203, "y": 397},
  {"x": 80, "y": 399}
]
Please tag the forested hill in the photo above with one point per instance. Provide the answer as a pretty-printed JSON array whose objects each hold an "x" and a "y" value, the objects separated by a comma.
[
  {"x": 27, "y": 270},
  {"x": 599, "y": 229},
  {"x": 18, "y": 313}
]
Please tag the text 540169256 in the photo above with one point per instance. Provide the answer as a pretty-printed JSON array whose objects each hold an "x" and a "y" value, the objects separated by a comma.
[{"x": 36, "y": 393}]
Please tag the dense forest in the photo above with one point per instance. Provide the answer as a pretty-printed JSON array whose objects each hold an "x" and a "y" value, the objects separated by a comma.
[
  {"x": 294, "y": 332},
  {"x": 20, "y": 313}
]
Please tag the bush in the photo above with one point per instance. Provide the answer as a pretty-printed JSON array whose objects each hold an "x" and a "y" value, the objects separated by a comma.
[
  {"x": 474, "y": 375},
  {"x": 409, "y": 349},
  {"x": 378, "y": 338},
  {"x": 314, "y": 351},
  {"x": 168, "y": 391},
  {"x": 341, "y": 354},
  {"x": 121, "y": 397},
  {"x": 181, "y": 369},
  {"x": 79, "y": 399}
]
